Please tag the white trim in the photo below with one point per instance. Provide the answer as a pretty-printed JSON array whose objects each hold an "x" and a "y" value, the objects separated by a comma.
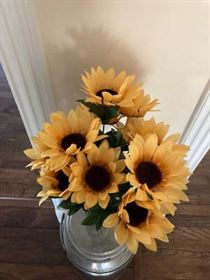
[
  {"x": 197, "y": 131},
  {"x": 24, "y": 63}
]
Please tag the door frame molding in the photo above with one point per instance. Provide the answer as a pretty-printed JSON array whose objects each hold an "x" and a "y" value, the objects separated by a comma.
[
  {"x": 197, "y": 130},
  {"x": 25, "y": 64}
]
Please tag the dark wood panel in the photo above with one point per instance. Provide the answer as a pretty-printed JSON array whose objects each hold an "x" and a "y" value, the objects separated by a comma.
[
  {"x": 18, "y": 189},
  {"x": 31, "y": 245},
  {"x": 173, "y": 271},
  {"x": 31, "y": 217},
  {"x": 200, "y": 221},
  {"x": 194, "y": 210},
  {"x": 14, "y": 143},
  {"x": 25, "y": 202},
  {"x": 13, "y": 271},
  {"x": 190, "y": 257},
  {"x": 18, "y": 176},
  {"x": 10, "y": 271}
]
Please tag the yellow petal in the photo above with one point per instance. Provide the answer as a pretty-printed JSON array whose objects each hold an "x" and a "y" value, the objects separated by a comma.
[
  {"x": 167, "y": 207},
  {"x": 125, "y": 216},
  {"x": 31, "y": 153},
  {"x": 87, "y": 147},
  {"x": 152, "y": 246},
  {"x": 102, "y": 195},
  {"x": 77, "y": 170},
  {"x": 90, "y": 200},
  {"x": 114, "y": 188},
  {"x": 80, "y": 196},
  {"x": 82, "y": 160},
  {"x": 120, "y": 165},
  {"x": 49, "y": 129},
  {"x": 150, "y": 146},
  {"x": 67, "y": 171},
  {"x": 73, "y": 120},
  {"x": 129, "y": 163},
  {"x": 101, "y": 137},
  {"x": 132, "y": 243},
  {"x": 141, "y": 195},
  {"x": 50, "y": 153},
  {"x": 119, "y": 79},
  {"x": 132, "y": 179},
  {"x": 42, "y": 200},
  {"x": 58, "y": 162},
  {"x": 119, "y": 178},
  {"x": 92, "y": 135},
  {"x": 72, "y": 149},
  {"x": 145, "y": 204},
  {"x": 48, "y": 140},
  {"x": 76, "y": 185},
  {"x": 121, "y": 233},
  {"x": 135, "y": 152},
  {"x": 73, "y": 198},
  {"x": 59, "y": 121},
  {"x": 93, "y": 155},
  {"x": 66, "y": 194},
  {"x": 104, "y": 203},
  {"x": 174, "y": 137},
  {"x": 112, "y": 166},
  {"x": 142, "y": 236},
  {"x": 111, "y": 220}
]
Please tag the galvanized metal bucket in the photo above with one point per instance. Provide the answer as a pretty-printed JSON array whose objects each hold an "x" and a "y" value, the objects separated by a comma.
[{"x": 95, "y": 253}]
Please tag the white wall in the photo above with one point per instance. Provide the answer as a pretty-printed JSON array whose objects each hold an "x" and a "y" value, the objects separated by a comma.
[{"x": 164, "y": 42}]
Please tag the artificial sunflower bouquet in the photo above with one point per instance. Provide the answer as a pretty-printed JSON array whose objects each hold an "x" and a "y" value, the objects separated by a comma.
[{"x": 105, "y": 158}]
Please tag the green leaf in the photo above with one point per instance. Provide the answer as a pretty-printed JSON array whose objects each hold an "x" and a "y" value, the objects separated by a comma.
[
  {"x": 118, "y": 137},
  {"x": 97, "y": 210},
  {"x": 96, "y": 215},
  {"x": 110, "y": 113},
  {"x": 115, "y": 139},
  {"x": 123, "y": 188},
  {"x": 100, "y": 220},
  {"x": 105, "y": 113},
  {"x": 90, "y": 219},
  {"x": 72, "y": 207},
  {"x": 64, "y": 204},
  {"x": 97, "y": 109}
]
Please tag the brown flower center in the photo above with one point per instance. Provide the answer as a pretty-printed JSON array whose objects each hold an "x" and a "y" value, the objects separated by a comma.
[
  {"x": 147, "y": 172},
  {"x": 111, "y": 91},
  {"x": 74, "y": 138},
  {"x": 63, "y": 181},
  {"x": 98, "y": 178},
  {"x": 137, "y": 214}
]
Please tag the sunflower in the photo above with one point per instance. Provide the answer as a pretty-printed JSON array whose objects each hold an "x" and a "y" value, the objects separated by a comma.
[
  {"x": 135, "y": 126},
  {"x": 138, "y": 222},
  {"x": 35, "y": 154},
  {"x": 146, "y": 128},
  {"x": 96, "y": 176},
  {"x": 54, "y": 184},
  {"x": 105, "y": 87},
  {"x": 158, "y": 170},
  {"x": 141, "y": 104},
  {"x": 66, "y": 136}
]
